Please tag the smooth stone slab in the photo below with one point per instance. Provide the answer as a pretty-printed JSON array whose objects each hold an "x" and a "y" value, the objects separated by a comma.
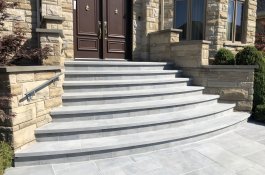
[
  {"x": 258, "y": 157},
  {"x": 83, "y": 169},
  {"x": 39, "y": 170},
  {"x": 212, "y": 170},
  {"x": 225, "y": 158},
  {"x": 238, "y": 144}
]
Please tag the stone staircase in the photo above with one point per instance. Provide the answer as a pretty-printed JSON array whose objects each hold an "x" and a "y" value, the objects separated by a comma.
[{"x": 115, "y": 108}]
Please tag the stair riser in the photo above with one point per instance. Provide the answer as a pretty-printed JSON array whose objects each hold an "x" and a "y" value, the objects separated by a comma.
[
  {"x": 124, "y": 130},
  {"x": 71, "y": 77},
  {"x": 98, "y": 88},
  {"x": 114, "y": 68},
  {"x": 126, "y": 113},
  {"x": 86, "y": 156},
  {"x": 115, "y": 100}
]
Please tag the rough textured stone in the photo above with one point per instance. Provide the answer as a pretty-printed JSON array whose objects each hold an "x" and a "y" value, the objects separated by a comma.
[
  {"x": 44, "y": 76},
  {"x": 33, "y": 113},
  {"x": 222, "y": 81},
  {"x": 234, "y": 94},
  {"x": 54, "y": 102},
  {"x": 24, "y": 136}
]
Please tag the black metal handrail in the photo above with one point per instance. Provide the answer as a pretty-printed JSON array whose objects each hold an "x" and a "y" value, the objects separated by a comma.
[{"x": 28, "y": 95}]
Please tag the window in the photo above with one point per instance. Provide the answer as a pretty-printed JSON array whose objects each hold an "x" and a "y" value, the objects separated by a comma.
[
  {"x": 235, "y": 20},
  {"x": 189, "y": 17}
]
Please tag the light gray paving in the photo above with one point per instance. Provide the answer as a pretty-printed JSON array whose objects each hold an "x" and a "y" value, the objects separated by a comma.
[
  {"x": 214, "y": 156},
  {"x": 212, "y": 170},
  {"x": 123, "y": 141},
  {"x": 258, "y": 157}
]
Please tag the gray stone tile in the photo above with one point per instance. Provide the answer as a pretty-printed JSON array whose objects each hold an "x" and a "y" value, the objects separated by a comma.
[
  {"x": 162, "y": 171},
  {"x": 183, "y": 162},
  {"x": 251, "y": 171},
  {"x": 252, "y": 132},
  {"x": 262, "y": 142},
  {"x": 225, "y": 158},
  {"x": 108, "y": 164},
  {"x": 142, "y": 167},
  {"x": 64, "y": 166},
  {"x": 87, "y": 168},
  {"x": 212, "y": 170},
  {"x": 34, "y": 170},
  {"x": 238, "y": 144},
  {"x": 258, "y": 157},
  {"x": 113, "y": 171}
]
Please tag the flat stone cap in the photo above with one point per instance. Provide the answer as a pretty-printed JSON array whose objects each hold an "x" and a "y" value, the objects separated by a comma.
[{"x": 14, "y": 69}]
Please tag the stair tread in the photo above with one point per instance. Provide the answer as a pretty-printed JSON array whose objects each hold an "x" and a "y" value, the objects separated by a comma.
[
  {"x": 131, "y": 140},
  {"x": 123, "y": 72},
  {"x": 78, "y": 95},
  {"x": 125, "y": 82},
  {"x": 129, "y": 63},
  {"x": 133, "y": 105},
  {"x": 89, "y": 125}
]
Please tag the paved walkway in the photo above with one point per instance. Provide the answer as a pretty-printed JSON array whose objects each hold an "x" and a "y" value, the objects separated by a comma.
[{"x": 240, "y": 152}]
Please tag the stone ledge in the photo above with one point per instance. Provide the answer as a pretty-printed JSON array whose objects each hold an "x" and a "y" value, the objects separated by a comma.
[
  {"x": 15, "y": 69},
  {"x": 235, "y": 44},
  {"x": 189, "y": 42},
  {"x": 50, "y": 31},
  {"x": 231, "y": 67},
  {"x": 166, "y": 31},
  {"x": 53, "y": 18}
]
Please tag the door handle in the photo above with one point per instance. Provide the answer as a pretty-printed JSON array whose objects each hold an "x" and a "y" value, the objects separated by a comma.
[
  {"x": 106, "y": 29},
  {"x": 100, "y": 30}
]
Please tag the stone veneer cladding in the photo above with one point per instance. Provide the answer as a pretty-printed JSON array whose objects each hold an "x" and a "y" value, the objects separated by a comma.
[{"x": 146, "y": 19}]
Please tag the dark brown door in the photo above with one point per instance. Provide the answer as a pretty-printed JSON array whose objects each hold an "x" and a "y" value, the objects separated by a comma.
[{"x": 100, "y": 29}]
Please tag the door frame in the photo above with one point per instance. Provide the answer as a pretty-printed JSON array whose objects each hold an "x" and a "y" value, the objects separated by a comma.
[{"x": 129, "y": 32}]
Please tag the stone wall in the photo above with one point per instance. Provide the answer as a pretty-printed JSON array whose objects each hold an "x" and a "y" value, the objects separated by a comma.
[
  {"x": 160, "y": 44},
  {"x": 234, "y": 84},
  {"x": 165, "y": 46},
  {"x": 190, "y": 53},
  {"x": 32, "y": 114},
  {"x": 149, "y": 23},
  {"x": 146, "y": 19},
  {"x": 24, "y": 15}
]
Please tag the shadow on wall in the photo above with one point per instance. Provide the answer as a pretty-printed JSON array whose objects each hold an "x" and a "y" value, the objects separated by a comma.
[
  {"x": 5, "y": 109},
  {"x": 137, "y": 30}
]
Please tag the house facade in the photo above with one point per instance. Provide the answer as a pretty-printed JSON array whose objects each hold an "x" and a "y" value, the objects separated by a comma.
[
  {"x": 185, "y": 32},
  {"x": 121, "y": 29}
]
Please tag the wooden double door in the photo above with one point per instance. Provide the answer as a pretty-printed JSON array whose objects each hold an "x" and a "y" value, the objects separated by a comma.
[{"x": 101, "y": 29}]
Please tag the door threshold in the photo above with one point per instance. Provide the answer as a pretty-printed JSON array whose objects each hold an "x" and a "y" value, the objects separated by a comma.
[{"x": 97, "y": 59}]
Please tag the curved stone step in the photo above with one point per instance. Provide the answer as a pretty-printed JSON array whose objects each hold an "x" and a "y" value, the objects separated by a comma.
[
  {"x": 115, "y": 65},
  {"x": 119, "y": 85},
  {"x": 107, "y": 111},
  {"x": 112, "y": 97},
  {"x": 121, "y": 126},
  {"x": 120, "y": 75},
  {"x": 97, "y": 148}
]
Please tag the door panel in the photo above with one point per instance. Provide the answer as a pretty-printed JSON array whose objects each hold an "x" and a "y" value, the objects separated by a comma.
[
  {"x": 114, "y": 43},
  {"x": 87, "y": 43}
]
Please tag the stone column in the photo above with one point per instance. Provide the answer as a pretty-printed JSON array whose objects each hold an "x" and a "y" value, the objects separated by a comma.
[
  {"x": 250, "y": 23},
  {"x": 57, "y": 30},
  {"x": 151, "y": 24}
]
